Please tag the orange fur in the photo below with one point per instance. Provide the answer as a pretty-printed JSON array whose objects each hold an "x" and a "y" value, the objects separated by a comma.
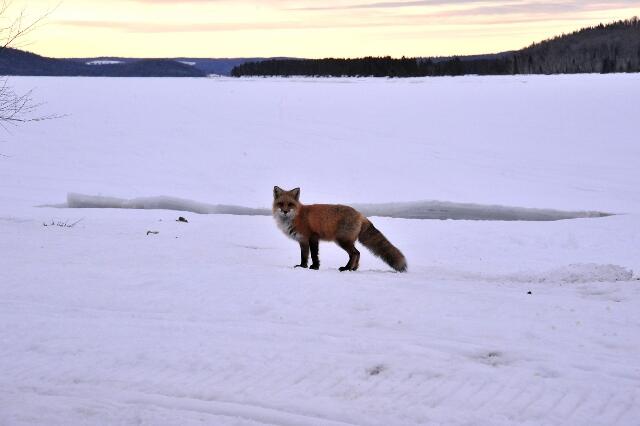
[{"x": 331, "y": 222}]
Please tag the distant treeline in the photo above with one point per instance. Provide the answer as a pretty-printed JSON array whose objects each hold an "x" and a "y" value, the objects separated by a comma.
[
  {"x": 375, "y": 67},
  {"x": 601, "y": 49}
]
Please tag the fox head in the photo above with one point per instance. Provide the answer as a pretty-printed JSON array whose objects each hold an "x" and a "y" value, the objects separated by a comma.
[{"x": 285, "y": 203}]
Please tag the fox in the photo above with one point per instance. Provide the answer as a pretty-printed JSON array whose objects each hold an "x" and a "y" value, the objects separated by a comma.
[{"x": 344, "y": 225}]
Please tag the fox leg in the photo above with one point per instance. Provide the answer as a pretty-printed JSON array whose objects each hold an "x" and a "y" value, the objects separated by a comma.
[
  {"x": 354, "y": 255},
  {"x": 304, "y": 254},
  {"x": 356, "y": 262},
  {"x": 315, "y": 259}
]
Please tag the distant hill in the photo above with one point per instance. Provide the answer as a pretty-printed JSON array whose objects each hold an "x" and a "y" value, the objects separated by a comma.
[
  {"x": 17, "y": 62},
  {"x": 217, "y": 66},
  {"x": 602, "y": 49}
]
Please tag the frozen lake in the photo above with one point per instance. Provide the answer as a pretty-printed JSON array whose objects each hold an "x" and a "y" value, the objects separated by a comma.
[{"x": 496, "y": 322}]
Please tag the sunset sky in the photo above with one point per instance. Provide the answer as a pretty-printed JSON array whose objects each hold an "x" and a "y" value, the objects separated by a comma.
[{"x": 319, "y": 28}]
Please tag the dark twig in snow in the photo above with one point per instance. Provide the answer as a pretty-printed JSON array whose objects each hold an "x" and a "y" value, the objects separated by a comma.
[{"x": 62, "y": 224}]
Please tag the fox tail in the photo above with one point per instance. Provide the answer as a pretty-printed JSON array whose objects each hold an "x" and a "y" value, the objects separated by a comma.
[{"x": 378, "y": 244}]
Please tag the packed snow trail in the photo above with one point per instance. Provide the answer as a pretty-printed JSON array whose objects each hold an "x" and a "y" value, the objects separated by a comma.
[{"x": 208, "y": 323}]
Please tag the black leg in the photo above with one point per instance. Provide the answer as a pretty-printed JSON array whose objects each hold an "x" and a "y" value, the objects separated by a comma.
[
  {"x": 354, "y": 255},
  {"x": 304, "y": 254},
  {"x": 356, "y": 261},
  {"x": 315, "y": 259}
]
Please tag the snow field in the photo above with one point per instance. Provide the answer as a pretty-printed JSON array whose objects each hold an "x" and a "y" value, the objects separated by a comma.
[
  {"x": 561, "y": 142},
  {"x": 113, "y": 325},
  {"x": 501, "y": 323}
]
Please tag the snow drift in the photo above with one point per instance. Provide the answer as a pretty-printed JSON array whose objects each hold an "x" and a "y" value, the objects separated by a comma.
[
  {"x": 575, "y": 273},
  {"x": 407, "y": 210},
  {"x": 80, "y": 201}
]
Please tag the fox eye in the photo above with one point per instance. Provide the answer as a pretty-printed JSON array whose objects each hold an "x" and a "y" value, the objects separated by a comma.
[
  {"x": 280, "y": 204},
  {"x": 290, "y": 205}
]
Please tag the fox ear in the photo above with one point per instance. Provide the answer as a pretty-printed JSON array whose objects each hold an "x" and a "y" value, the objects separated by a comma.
[
  {"x": 296, "y": 193},
  {"x": 277, "y": 191}
]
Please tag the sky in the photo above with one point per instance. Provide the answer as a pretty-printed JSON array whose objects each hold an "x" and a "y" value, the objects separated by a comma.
[{"x": 305, "y": 28}]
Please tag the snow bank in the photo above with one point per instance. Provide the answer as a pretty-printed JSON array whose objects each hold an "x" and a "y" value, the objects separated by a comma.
[
  {"x": 103, "y": 62},
  {"x": 576, "y": 273},
  {"x": 467, "y": 211},
  {"x": 78, "y": 201},
  {"x": 412, "y": 210}
]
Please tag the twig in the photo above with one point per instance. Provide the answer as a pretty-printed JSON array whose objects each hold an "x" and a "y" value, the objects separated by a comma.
[
  {"x": 17, "y": 28},
  {"x": 18, "y": 108},
  {"x": 62, "y": 224}
]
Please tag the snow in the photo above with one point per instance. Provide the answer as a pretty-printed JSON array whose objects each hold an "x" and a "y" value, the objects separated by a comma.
[
  {"x": 501, "y": 322},
  {"x": 103, "y": 62},
  {"x": 407, "y": 210}
]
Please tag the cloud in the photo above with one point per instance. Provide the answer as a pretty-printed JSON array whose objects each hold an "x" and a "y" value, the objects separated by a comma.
[
  {"x": 465, "y": 12},
  {"x": 389, "y": 4},
  {"x": 506, "y": 6},
  {"x": 153, "y": 27}
]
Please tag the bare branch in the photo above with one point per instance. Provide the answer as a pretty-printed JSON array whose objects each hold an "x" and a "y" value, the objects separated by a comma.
[
  {"x": 17, "y": 108},
  {"x": 19, "y": 26}
]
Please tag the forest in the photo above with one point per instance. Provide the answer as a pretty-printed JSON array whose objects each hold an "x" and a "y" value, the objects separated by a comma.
[{"x": 613, "y": 47}]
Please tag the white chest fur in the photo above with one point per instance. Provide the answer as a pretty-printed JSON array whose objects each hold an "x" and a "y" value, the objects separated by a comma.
[{"x": 285, "y": 223}]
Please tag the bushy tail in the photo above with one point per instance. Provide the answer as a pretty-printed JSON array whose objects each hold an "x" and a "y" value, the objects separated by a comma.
[{"x": 373, "y": 239}]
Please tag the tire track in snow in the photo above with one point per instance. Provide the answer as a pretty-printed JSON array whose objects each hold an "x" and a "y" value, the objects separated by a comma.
[
  {"x": 535, "y": 398},
  {"x": 261, "y": 414},
  {"x": 242, "y": 377},
  {"x": 627, "y": 408},
  {"x": 604, "y": 406},
  {"x": 446, "y": 393},
  {"x": 453, "y": 390}
]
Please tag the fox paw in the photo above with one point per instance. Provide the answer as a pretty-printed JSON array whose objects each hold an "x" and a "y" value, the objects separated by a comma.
[
  {"x": 343, "y": 268},
  {"x": 315, "y": 266},
  {"x": 300, "y": 266}
]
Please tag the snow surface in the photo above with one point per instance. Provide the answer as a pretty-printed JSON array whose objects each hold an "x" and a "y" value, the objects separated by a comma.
[
  {"x": 103, "y": 62},
  {"x": 407, "y": 210},
  {"x": 206, "y": 322}
]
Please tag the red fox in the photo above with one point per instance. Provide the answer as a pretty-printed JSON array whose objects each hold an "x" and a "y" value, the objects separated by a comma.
[{"x": 342, "y": 224}]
